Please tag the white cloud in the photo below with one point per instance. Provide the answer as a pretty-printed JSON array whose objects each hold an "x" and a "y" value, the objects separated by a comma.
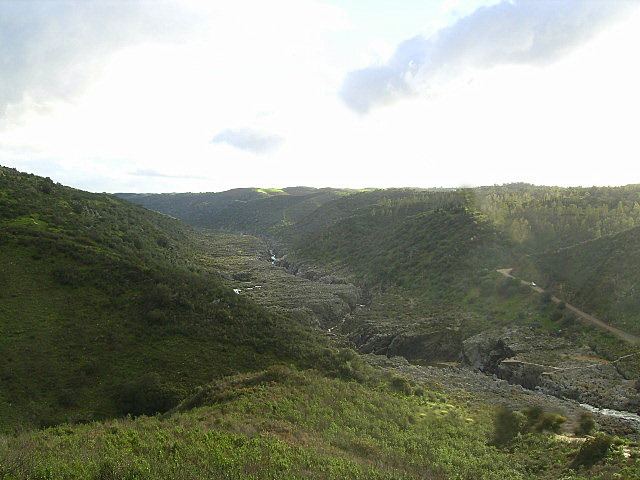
[
  {"x": 510, "y": 32},
  {"x": 145, "y": 119},
  {"x": 249, "y": 140},
  {"x": 51, "y": 50}
]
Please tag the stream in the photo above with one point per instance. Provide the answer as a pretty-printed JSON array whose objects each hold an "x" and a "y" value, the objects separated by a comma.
[{"x": 628, "y": 416}]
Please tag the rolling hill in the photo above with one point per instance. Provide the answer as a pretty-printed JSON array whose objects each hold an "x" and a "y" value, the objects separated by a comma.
[{"x": 105, "y": 311}]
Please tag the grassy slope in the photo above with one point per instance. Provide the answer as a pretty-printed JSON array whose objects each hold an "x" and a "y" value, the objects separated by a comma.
[
  {"x": 283, "y": 424},
  {"x": 100, "y": 302}
]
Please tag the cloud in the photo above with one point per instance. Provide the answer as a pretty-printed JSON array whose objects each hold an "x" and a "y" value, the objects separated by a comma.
[
  {"x": 50, "y": 50},
  {"x": 147, "y": 172},
  {"x": 249, "y": 140},
  {"x": 510, "y": 32}
]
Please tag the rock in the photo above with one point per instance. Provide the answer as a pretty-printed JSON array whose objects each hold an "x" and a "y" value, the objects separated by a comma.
[{"x": 550, "y": 365}]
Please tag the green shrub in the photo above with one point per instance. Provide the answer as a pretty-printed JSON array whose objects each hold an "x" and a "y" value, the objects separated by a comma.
[
  {"x": 400, "y": 385},
  {"x": 66, "y": 275},
  {"x": 586, "y": 424},
  {"x": 549, "y": 422},
  {"x": 592, "y": 451},
  {"x": 533, "y": 415},
  {"x": 507, "y": 425}
]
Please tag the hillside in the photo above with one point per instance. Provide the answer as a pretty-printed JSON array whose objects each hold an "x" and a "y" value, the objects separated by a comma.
[
  {"x": 105, "y": 311},
  {"x": 601, "y": 276},
  {"x": 287, "y": 424},
  {"x": 249, "y": 210},
  {"x": 541, "y": 218}
]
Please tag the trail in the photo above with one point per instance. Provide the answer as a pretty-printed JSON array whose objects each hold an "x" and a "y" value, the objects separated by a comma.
[{"x": 586, "y": 317}]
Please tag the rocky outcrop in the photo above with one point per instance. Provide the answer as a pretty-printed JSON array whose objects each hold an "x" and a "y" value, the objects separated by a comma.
[
  {"x": 427, "y": 345},
  {"x": 538, "y": 361}
]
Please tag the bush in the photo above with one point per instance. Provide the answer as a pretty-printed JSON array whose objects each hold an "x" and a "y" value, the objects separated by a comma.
[
  {"x": 586, "y": 424},
  {"x": 592, "y": 451},
  {"x": 400, "y": 385},
  {"x": 66, "y": 276},
  {"x": 146, "y": 395},
  {"x": 533, "y": 415},
  {"x": 507, "y": 426},
  {"x": 549, "y": 422},
  {"x": 508, "y": 287}
]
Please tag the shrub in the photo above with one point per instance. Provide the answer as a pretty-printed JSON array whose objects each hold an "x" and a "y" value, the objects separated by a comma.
[
  {"x": 66, "y": 276},
  {"x": 400, "y": 385},
  {"x": 592, "y": 451},
  {"x": 549, "y": 422},
  {"x": 156, "y": 317},
  {"x": 146, "y": 395},
  {"x": 507, "y": 425},
  {"x": 586, "y": 424},
  {"x": 545, "y": 298},
  {"x": 508, "y": 287},
  {"x": 533, "y": 415}
]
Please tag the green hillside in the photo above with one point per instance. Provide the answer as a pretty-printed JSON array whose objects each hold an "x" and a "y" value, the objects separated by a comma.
[
  {"x": 104, "y": 312},
  {"x": 108, "y": 309},
  {"x": 286, "y": 424},
  {"x": 601, "y": 276},
  {"x": 429, "y": 241},
  {"x": 546, "y": 218},
  {"x": 249, "y": 210}
]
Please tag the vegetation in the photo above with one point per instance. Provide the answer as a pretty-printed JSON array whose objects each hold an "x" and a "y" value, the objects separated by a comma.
[
  {"x": 594, "y": 450},
  {"x": 289, "y": 424},
  {"x": 105, "y": 311},
  {"x": 127, "y": 353}
]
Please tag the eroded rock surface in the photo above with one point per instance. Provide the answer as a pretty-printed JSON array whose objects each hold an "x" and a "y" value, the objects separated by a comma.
[{"x": 551, "y": 365}]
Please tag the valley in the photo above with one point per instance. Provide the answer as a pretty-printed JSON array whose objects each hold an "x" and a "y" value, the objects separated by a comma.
[{"x": 333, "y": 334}]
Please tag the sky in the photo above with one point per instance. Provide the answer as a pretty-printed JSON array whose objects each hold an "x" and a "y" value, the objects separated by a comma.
[{"x": 190, "y": 95}]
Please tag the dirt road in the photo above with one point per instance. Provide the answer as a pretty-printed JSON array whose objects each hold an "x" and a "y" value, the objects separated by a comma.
[{"x": 585, "y": 317}]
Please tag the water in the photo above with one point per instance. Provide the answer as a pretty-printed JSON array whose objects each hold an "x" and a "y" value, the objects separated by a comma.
[{"x": 631, "y": 417}]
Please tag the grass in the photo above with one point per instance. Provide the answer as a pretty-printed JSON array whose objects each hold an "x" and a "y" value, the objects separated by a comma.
[{"x": 285, "y": 424}]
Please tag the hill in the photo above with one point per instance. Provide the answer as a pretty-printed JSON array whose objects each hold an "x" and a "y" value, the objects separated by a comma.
[
  {"x": 105, "y": 310},
  {"x": 249, "y": 210},
  {"x": 287, "y": 424},
  {"x": 601, "y": 276},
  {"x": 108, "y": 310}
]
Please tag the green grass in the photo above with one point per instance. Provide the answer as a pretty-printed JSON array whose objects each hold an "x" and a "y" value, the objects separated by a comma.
[{"x": 286, "y": 424}]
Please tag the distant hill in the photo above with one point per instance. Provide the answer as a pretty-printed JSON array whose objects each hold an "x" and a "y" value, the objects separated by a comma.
[
  {"x": 249, "y": 210},
  {"x": 541, "y": 218},
  {"x": 418, "y": 240}
]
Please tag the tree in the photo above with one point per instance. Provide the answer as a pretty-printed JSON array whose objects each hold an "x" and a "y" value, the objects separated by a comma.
[
  {"x": 592, "y": 451},
  {"x": 507, "y": 426},
  {"x": 586, "y": 424}
]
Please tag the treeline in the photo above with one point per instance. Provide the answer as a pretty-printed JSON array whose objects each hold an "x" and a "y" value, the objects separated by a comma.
[{"x": 545, "y": 218}]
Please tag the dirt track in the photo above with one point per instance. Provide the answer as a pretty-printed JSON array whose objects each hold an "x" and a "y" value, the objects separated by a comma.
[{"x": 585, "y": 317}]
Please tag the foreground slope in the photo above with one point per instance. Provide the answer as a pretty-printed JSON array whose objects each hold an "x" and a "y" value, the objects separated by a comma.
[{"x": 286, "y": 424}]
